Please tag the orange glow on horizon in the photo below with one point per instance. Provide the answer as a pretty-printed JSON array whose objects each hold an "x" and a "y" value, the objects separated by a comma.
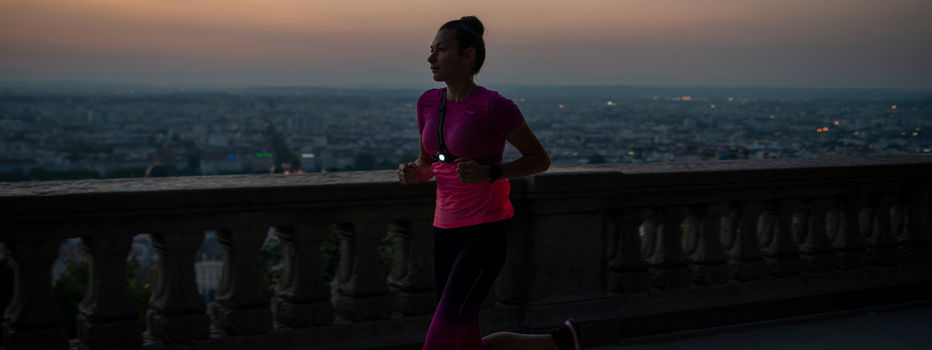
[{"x": 545, "y": 41}]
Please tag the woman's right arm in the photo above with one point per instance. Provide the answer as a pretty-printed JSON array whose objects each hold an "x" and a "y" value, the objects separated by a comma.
[{"x": 418, "y": 170}]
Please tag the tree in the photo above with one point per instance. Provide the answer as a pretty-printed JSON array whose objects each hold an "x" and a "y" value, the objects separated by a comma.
[{"x": 69, "y": 290}]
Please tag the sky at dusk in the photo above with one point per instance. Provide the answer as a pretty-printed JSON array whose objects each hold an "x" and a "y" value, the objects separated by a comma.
[{"x": 346, "y": 43}]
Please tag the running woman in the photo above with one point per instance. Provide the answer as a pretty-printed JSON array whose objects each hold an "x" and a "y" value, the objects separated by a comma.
[{"x": 463, "y": 130}]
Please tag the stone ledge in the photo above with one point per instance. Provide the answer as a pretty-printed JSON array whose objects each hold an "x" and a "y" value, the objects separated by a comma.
[{"x": 615, "y": 177}]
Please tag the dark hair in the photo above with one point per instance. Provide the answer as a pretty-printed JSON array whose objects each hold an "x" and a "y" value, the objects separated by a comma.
[{"x": 467, "y": 31}]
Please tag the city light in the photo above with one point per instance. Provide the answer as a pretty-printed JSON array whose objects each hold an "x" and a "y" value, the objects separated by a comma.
[
  {"x": 316, "y": 136},
  {"x": 893, "y": 107}
]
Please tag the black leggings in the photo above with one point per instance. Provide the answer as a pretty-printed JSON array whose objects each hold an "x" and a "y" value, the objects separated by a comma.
[{"x": 466, "y": 261}]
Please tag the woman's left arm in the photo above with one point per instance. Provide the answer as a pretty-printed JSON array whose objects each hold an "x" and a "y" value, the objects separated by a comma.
[{"x": 533, "y": 160}]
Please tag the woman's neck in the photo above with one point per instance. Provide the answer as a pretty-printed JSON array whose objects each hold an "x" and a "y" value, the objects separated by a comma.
[{"x": 459, "y": 91}]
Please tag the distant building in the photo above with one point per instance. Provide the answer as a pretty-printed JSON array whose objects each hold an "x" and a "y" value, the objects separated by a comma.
[
  {"x": 209, "y": 267},
  {"x": 208, "y": 275}
]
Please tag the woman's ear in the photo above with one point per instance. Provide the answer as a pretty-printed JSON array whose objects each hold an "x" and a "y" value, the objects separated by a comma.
[{"x": 470, "y": 55}]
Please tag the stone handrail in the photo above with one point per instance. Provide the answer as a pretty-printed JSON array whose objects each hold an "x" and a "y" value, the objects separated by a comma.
[{"x": 626, "y": 249}]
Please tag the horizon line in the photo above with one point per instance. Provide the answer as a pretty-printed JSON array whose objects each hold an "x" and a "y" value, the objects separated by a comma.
[{"x": 71, "y": 84}]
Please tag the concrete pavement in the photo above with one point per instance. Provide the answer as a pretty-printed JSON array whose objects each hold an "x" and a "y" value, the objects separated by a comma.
[{"x": 900, "y": 327}]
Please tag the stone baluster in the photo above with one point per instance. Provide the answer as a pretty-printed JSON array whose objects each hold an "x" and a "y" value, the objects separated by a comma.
[
  {"x": 779, "y": 249},
  {"x": 627, "y": 270},
  {"x": 411, "y": 279},
  {"x": 359, "y": 291},
  {"x": 668, "y": 266},
  {"x": 914, "y": 240},
  {"x": 848, "y": 241},
  {"x": 815, "y": 247},
  {"x": 32, "y": 320},
  {"x": 881, "y": 245},
  {"x": 107, "y": 317},
  {"x": 740, "y": 240},
  {"x": 706, "y": 256},
  {"x": 242, "y": 303},
  {"x": 302, "y": 298},
  {"x": 176, "y": 311}
]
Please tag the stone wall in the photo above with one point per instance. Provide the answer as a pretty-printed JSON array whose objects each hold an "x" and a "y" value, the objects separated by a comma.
[{"x": 626, "y": 249}]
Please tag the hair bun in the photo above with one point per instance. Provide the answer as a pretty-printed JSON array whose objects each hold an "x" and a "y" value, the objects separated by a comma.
[{"x": 473, "y": 23}]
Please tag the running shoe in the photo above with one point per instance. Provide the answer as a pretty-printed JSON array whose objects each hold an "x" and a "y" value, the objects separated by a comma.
[{"x": 567, "y": 336}]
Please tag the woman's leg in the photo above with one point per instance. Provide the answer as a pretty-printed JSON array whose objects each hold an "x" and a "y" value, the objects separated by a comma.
[
  {"x": 507, "y": 341},
  {"x": 477, "y": 258},
  {"x": 565, "y": 337}
]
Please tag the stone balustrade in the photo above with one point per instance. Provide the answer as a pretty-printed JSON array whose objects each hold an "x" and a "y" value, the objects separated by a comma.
[{"x": 626, "y": 249}]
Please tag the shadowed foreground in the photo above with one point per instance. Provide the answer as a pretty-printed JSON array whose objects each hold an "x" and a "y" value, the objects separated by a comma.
[
  {"x": 904, "y": 327},
  {"x": 628, "y": 250}
]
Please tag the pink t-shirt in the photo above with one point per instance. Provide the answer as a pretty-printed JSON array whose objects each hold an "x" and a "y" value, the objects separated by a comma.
[{"x": 474, "y": 128}]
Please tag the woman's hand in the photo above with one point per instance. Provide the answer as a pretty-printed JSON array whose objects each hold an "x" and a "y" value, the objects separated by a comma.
[
  {"x": 472, "y": 172},
  {"x": 407, "y": 173}
]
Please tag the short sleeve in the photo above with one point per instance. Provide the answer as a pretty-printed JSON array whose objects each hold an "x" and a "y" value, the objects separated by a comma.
[
  {"x": 505, "y": 115},
  {"x": 420, "y": 116}
]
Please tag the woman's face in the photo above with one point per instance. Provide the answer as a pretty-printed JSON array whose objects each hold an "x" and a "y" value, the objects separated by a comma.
[{"x": 445, "y": 60}]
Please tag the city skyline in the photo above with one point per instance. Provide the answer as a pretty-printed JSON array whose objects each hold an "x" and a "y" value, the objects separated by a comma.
[{"x": 242, "y": 43}]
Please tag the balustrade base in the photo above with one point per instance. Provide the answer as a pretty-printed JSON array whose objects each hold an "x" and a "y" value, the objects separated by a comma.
[
  {"x": 412, "y": 304},
  {"x": 176, "y": 328},
  {"x": 542, "y": 317},
  {"x": 783, "y": 267},
  {"x": 915, "y": 254},
  {"x": 671, "y": 277},
  {"x": 361, "y": 309},
  {"x": 882, "y": 257},
  {"x": 748, "y": 270},
  {"x": 818, "y": 263},
  {"x": 710, "y": 274},
  {"x": 302, "y": 315},
  {"x": 851, "y": 260},
  {"x": 241, "y": 321},
  {"x": 628, "y": 282},
  {"x": 106, "y": 335},
  {"x": 43, "y": 338}
]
